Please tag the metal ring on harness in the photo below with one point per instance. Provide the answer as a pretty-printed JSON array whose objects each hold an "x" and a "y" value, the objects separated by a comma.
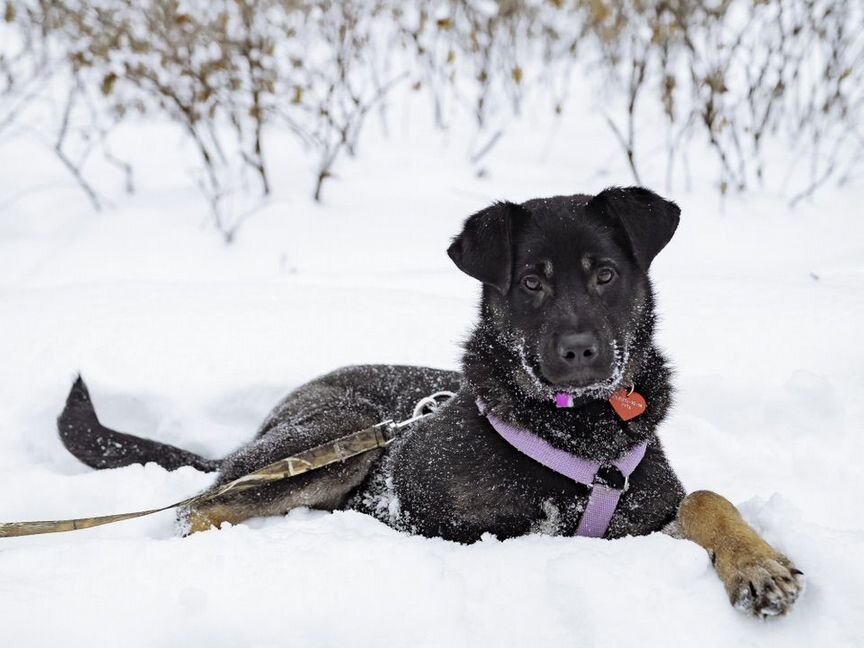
[{"x": 430, "y": 404}]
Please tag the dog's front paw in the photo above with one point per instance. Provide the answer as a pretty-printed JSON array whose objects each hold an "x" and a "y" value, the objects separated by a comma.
[{"x": 759, "y": 580}]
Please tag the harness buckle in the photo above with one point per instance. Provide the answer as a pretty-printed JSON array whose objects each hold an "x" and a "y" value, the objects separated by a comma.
[{"x": 609, "y": 475}]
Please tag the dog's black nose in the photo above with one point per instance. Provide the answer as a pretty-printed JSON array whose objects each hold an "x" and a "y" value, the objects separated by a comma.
[{"x": 578, "y": 349}]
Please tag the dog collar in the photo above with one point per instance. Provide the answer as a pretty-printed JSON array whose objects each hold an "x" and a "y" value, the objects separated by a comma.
[
  {"x": 627, "y": 404},
  {"x": 607, "y": 481}
]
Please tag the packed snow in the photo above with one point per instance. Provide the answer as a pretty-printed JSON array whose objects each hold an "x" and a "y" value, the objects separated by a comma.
[{"x": 190, "y": 341}]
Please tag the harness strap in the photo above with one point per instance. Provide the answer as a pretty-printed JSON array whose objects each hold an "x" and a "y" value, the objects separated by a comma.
[{"x": 606, "y": 481}]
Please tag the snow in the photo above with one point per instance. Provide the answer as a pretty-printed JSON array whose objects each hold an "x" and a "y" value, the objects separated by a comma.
[{"x": 186, "y": 340}]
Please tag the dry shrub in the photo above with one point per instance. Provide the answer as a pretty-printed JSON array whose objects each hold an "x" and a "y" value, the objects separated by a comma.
[{"x": 732, "y": 73}]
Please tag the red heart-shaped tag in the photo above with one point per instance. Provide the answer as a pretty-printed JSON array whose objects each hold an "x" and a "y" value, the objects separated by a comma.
[{"x": 627, "y": 405}]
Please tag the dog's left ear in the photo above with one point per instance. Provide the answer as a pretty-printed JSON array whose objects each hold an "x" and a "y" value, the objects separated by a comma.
[
  {"x": 484, "y": 248},
  {"x": 648, "y": 220}
]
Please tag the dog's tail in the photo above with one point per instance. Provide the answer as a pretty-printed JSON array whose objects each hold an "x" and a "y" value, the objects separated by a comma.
[{"x": 99, "y": 447}]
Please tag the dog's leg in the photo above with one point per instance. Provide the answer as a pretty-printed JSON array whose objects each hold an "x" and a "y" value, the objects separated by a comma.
[
  {"x": 211, "y": 515},
  {"x": 195, "y": 520},
  {"x": 265, "y": 501},
  {"x": 758, "y": 579},
  {"x": 326, "y": 494},
  {"x": 325, "y": 489}
]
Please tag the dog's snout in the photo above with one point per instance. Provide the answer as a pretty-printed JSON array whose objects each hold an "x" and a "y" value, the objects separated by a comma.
[
  {"x": 578, "y": 349},
  {"x": 576, "y": 357}
]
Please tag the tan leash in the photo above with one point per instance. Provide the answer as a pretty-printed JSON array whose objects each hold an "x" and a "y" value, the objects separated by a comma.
[{"x": 351, "y": 445}]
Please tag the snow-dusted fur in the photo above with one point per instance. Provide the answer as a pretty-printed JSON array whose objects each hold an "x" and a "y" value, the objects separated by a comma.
[{"x": 452, "y": 476}]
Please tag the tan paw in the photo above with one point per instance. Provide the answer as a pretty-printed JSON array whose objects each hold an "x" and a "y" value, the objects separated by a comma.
[
  {"x": 761, "y": 583},
  {"x": 195, "y": 520}
]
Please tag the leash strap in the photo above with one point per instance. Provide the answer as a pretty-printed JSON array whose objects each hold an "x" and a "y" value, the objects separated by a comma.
[
  {"x": 351, "y": 445},
  {"x": 606, "y": 481},
  {"x": 325, "y": 454}
]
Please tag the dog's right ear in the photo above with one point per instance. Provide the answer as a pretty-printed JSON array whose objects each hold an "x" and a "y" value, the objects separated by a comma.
[{"x": 484, "y": 248}]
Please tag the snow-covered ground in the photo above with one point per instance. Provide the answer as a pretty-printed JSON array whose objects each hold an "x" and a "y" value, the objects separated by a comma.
[{"x": 184, "y": 339}]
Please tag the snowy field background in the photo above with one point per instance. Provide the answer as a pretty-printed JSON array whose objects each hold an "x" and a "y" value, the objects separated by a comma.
[{"x": 187, "y": 340}]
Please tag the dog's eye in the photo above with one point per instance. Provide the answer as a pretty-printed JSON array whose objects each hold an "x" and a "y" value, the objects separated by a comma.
[
  {"x": 532, "y": 282},
  {"x": 605, "y": 275}
]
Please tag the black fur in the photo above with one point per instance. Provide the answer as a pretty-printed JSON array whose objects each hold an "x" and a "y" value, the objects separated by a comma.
[
  {"x": 484, "y": 249},
  {"x": 566, "y": 306}
]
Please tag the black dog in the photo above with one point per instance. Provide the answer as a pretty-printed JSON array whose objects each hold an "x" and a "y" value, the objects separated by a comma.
[{"x": 566, "y": 318}]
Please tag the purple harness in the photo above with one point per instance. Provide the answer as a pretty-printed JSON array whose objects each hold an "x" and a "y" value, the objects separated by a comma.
[{"x": 606, "y": 481}]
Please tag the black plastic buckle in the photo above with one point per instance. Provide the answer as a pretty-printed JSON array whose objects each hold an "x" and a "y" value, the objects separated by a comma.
[{"x": 609, "y": 475}]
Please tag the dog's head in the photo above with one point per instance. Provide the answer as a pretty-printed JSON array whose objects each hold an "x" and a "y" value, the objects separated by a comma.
[{"x": 566, "y": 285}]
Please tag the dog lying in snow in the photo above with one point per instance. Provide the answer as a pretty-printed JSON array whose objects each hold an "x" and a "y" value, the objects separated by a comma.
[{"x": 553, "y": 428}]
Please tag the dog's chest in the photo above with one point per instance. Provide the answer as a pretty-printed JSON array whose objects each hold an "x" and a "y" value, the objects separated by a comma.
[{"x": 457, "y": 480}]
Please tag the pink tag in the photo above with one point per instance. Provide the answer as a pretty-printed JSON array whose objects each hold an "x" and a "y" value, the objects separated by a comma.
[
  {"x": 563, "y": 399},
  {"x": 627, "y": 405}
]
